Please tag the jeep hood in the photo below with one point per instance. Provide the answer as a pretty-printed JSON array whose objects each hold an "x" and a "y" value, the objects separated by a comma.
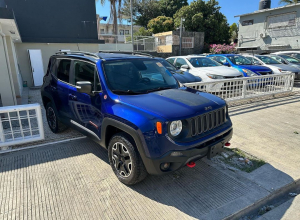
[{"x": 174, "y": 104}]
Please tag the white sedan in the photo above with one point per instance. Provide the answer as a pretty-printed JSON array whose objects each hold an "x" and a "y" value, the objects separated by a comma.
[{"x": 208, "y": 70}]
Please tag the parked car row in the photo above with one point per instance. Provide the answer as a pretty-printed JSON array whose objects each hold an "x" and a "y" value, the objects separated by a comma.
[{"x": 225, "y": 66}]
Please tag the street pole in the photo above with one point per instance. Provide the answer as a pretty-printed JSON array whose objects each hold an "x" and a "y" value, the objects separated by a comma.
[
  {"x": 180, "y": 37},
  {"x": 131, "y": 25}
]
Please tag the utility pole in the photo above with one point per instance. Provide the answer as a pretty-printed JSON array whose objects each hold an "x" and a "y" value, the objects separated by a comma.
[
  {"x": 132, "y": 40},
  {"x": 180, "y": 36}
]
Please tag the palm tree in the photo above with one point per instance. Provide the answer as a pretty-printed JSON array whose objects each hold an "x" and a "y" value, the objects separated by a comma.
[
  {"x": 289, "y": 1},
  {"x": 115, "y": 11}
]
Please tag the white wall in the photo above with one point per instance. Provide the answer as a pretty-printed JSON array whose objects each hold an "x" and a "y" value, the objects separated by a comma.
[
  {"x": 47, "y": 51},
  {"x": 7, "y": 91},
  {"x": 251, "y": 33}
]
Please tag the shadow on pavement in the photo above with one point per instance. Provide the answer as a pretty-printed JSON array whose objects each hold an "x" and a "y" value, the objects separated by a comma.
[
  {"x": 238, "y": 110},
  {"x": 183, "y": 194}
]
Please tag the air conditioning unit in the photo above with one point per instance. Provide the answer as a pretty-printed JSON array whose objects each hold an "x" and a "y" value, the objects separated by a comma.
[{"x": 263, "y": 35}]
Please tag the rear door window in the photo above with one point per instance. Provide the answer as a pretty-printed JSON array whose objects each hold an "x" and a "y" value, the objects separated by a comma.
[{"x": 63, "y": 70}]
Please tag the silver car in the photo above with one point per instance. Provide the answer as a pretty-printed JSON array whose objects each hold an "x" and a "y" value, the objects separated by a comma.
[{"x": 276, "y": 66}]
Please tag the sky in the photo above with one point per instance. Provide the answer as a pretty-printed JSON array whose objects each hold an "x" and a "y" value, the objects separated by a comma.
[{"x": 229, "y": 8}]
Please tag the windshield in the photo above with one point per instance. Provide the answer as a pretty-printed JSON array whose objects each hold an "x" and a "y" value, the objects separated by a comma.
[
  {"x": 268, "y": 60},
  {"x": 138, "y": 76},
  {"x": 279, "y": 59},
  {"x": 290, "y": 59},
  {"x": 240, "y": 60},
  {"x": 168, "y": 65},
  {"x": 202, "y": 62}
]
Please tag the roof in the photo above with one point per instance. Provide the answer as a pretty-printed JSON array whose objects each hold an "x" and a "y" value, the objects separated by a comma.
[
  {"x": 225, "y": 55},
  {"x": 94, "y": 57},
  {"x": 267, "y": 10}
]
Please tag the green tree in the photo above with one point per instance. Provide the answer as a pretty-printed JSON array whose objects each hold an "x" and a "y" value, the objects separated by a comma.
[
  {"x": 170, "y": 7},
  {"x": 143, "y": 11},
  {"x": 205, "y": 16},
  {"x": 160, "y": 24},
  {"x": 233, "y": 31},
  {"x": 289, "y": 1},
  {"x": 115, "y": 11}
]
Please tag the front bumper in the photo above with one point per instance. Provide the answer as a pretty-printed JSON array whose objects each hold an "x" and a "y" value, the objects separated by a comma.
[{"x": 210, "y": 149}]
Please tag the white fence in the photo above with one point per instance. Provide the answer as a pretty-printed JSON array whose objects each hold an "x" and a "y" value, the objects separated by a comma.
[
  {"x": 20, "y": 124},
  {"x": 247, "y": 87},
  {"x": 124, "y": 43}
]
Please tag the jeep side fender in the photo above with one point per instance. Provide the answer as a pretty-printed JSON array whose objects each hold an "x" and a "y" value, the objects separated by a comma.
[{"x": 136, "y": 134}]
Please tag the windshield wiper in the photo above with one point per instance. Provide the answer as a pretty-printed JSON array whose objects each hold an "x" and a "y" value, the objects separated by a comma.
[
  {"x": 159, "y": 89},
  {"x": 127, "y": 92}
]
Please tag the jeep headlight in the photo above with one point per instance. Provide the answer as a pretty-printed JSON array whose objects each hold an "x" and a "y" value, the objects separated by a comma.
[
  {"x": 249, "y": 72},
  {"x": 175, "y": 128},
  {"x": 213, "y": 76}
]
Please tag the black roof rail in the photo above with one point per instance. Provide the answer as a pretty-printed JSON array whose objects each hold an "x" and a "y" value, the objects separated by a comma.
[
  {"x": 128, "y": 52},
  {"x": 78, "y": 53}
]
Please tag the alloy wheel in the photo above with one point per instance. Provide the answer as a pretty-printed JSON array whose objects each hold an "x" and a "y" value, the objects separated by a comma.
[
  {"x": 121, "y": 159},
  {"x": 51, "y": 117}
]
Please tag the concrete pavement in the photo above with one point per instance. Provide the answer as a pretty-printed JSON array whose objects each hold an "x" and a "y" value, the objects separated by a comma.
[{"x": 270, "y": 130}]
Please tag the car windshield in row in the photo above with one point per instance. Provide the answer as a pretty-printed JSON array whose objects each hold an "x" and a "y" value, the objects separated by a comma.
[
  {"x": 202, "y": 62},
  {"x": 290, "y": 59},
  {"x": 136, "y": 76},
  {"x": 240, "y": 60},
  {"x": 268, "y": 60},
  {"x": 169, "y": 66},
  {"x": 279, "y": 59}
]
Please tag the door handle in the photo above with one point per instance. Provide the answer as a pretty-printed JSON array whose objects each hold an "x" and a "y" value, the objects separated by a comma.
[
  {"x": 73, "y": 97},
  {"x": 53, "y": 88}
]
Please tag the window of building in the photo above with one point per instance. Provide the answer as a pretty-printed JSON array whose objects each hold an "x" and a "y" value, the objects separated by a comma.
[
  {"x": 127, "y": 32},
  {"x": 121, "y": 32},
  {"x": 63, "y": 70},
  {"x": 281, "y": 20},
  {"x": 187, "y": 42},
  {"x": 247, "y": 22},
  {"x": 102, "y": 31},
  {"x": 180, "y": 62},
  {"x": 86, "y": 72}
]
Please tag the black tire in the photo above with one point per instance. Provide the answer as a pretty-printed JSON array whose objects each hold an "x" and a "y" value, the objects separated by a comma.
[
  {"x": 125, "y": 159},
  {"x": 53, "y": 121}
]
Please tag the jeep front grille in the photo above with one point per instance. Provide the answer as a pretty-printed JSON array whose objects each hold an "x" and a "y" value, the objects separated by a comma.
[{"x": 207, "y": 122}]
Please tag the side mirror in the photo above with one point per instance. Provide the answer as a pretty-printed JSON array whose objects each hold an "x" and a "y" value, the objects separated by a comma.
[
  {"x": 185, "y": 66},
  {"x": 226, "y": 64},
  {"x": 84, "y": 87}
]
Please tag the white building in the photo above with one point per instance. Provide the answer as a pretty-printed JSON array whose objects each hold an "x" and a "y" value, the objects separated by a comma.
[{"x": 270, "y": 30}]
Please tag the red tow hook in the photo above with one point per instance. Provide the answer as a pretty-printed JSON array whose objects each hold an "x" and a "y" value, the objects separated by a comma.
[
  {"x": 227, "y": 144},
  {"x": 191, "y": 164}
]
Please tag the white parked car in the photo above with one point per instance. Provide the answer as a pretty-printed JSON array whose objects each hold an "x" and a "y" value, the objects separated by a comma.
[
  {"x": 276, "y": 66},
  {"x": 208, "y": 70},
  {"x": 290, "y": 53}
]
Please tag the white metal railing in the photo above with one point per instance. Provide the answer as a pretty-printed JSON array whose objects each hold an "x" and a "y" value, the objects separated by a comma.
[
  {"x": 20, "y": 124},
  {"x": 247, "y": 87},
  {"x": 124, "y": 43}
]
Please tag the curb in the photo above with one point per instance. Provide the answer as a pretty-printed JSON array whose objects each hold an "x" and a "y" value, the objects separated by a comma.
[{"x": 283, "y": 191}]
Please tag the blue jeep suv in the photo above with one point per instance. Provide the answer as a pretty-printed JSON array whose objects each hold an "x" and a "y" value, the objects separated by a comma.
[{"x": 148, "y": 124}]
